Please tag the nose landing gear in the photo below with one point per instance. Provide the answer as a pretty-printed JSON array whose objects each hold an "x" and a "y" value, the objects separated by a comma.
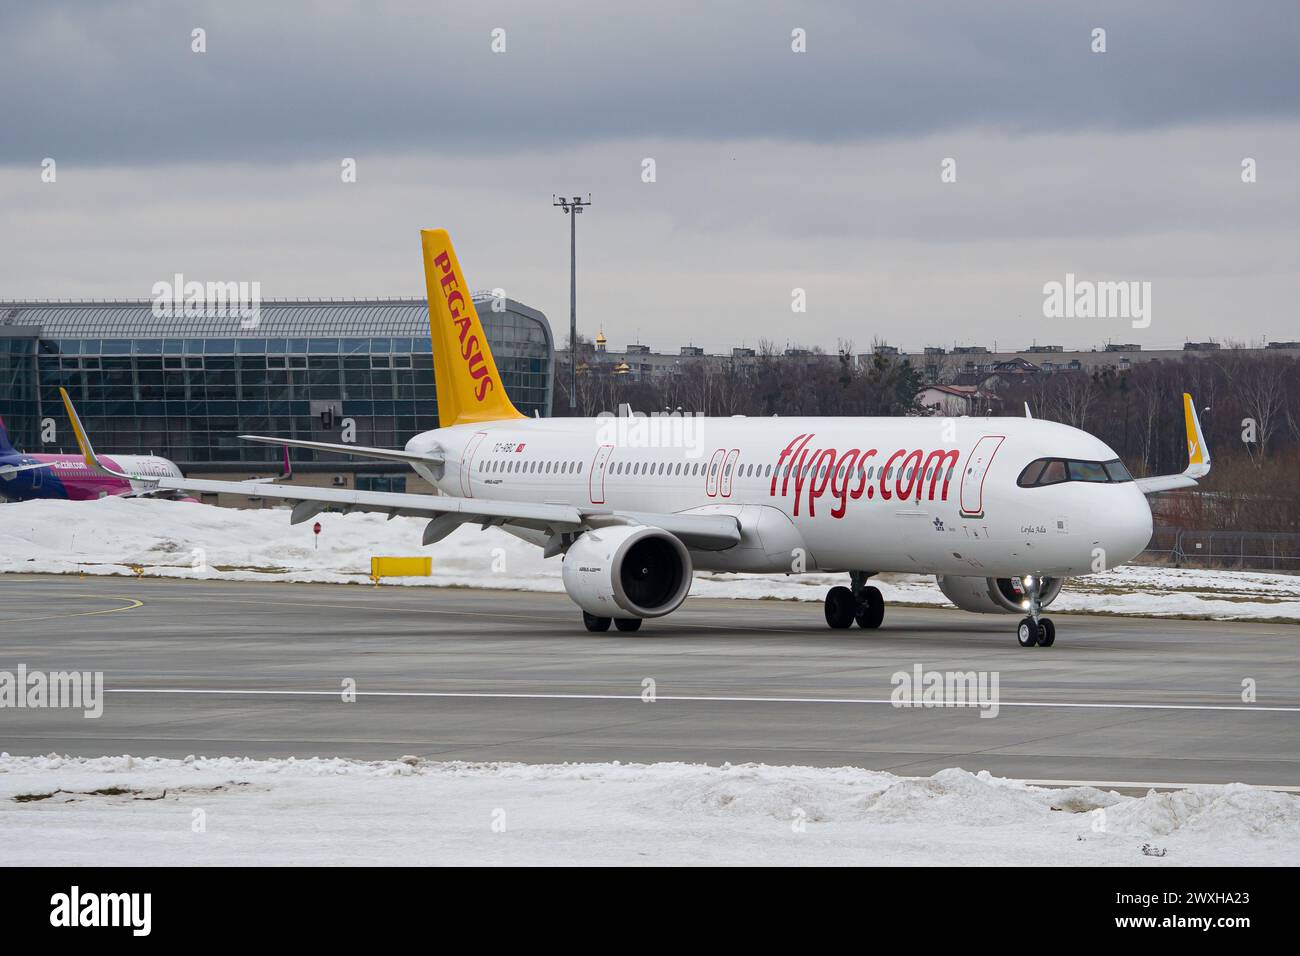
[
  {"x": 1035, "y": 630},
  {"x": 860, "y": 603}
]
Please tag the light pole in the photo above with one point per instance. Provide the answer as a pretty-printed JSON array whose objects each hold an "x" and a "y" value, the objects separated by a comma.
[{"x": 572, "y": 207}]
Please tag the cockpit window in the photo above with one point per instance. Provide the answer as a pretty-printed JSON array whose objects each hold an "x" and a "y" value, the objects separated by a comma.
[
  {"x": 1087, "y": 471},
  {"x": 1117, "y": 471},
  {"x": 1051, "y": 471}
]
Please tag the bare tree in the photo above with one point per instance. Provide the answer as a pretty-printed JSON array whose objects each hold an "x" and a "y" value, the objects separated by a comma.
[{"x": 1263, "y": 396}]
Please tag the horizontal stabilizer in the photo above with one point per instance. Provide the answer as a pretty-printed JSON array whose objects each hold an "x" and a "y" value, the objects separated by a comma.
[
  {"x": 361, "y": 451},
  {"x": 8, "y": 471}
]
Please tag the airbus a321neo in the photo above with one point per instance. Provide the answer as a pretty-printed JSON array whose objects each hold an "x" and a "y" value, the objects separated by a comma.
[{"x": 1001, "y": 510}]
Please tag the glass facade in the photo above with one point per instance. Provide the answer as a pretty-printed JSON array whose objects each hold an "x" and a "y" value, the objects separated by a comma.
[
  {"x": 186, "y": 388},
  {"x": 18, "y": 385}
]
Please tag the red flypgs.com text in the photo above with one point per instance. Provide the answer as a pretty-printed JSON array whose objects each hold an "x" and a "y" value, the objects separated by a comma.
[{"x": 809, "y": 474}]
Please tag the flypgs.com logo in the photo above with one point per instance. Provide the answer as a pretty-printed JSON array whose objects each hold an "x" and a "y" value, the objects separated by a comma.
[
  {"x": 815, "y": 474},
  {"x": 471, "y": 349}
]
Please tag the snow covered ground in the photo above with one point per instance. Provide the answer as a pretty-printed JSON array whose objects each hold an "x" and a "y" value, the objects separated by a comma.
[
  {"x": 123, "y": 810},
  {"x": 177, "y": 539},
  {"x": 324, "y": 811}
]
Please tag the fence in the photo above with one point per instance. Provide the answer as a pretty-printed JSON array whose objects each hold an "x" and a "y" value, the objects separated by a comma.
[{"x": 1244, "y": 550}]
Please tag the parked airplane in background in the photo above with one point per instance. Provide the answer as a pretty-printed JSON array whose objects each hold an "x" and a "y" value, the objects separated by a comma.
[
  {"x": 1002, "y": 510},
  {"x": 25, "y": 477}
]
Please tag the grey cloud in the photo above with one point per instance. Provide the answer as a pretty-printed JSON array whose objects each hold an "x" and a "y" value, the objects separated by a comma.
[{"x": 113, "y": 83}]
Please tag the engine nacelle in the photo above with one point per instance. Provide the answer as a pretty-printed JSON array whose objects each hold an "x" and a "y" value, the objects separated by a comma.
[
  {"x": 994, "y": 595},
  {"x": 627, "y": 571}
]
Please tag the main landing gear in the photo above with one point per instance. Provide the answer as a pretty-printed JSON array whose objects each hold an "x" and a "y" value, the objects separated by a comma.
[
  {"x": 594, "y": 623},
  {"x": 859, "y": 603},
  {"x": 1035, "y": 630}
]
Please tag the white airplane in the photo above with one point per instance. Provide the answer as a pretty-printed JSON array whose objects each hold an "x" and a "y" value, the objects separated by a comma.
[{"x": 1002, "y": 510}]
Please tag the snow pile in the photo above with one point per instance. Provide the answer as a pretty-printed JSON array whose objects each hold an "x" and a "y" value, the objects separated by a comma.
[
  {"x": 149, "y": 811},
  {"x": 1236, "y": 810},
  {"x": 178, "y": 539}
]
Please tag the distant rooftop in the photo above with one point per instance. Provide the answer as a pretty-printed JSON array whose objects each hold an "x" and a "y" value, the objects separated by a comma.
[{"x": 278, "y": 318}]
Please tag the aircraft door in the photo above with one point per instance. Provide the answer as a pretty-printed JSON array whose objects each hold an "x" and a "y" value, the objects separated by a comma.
[
  {"x": 467, "y": 463},
  {"x": 972, "y": 479},
  {"x": 596, "y": 477}
]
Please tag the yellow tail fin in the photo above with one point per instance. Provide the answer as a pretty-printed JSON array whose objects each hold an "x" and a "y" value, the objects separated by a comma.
[{"x": 465, "y": 374}]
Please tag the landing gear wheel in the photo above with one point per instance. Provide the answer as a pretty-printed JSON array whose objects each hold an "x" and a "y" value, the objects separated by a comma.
[
  {"x": 627, "y": 623},
  {"x": 1028, "y": 632},
  {"x": 840, "y": 607},
  {"x": 595, "y": 623},
  {"x": 1048, "y": 636},
  {"x": 872, "y": 609}
]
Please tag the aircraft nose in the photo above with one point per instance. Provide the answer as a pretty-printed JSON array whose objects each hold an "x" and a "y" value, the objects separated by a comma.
[{"x": 1123, "y": 530}]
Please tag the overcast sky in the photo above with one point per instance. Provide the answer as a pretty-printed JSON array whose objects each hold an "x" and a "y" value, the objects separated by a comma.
[{"x": 775, "y": 170}]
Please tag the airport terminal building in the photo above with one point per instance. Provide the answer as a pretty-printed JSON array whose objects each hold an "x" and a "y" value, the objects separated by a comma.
[{"x": 186, "y": 387}]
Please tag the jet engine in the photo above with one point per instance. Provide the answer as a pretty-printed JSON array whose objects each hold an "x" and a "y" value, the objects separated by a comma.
[
  {"x": 626, "y": 571},
  {"x": 994, "y": 595}
]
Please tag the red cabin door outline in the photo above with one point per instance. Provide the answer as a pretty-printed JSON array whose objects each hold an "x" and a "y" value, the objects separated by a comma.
[
  {"x": 727, "y": 468},
  {"x": 973, "y": 475},
  {"x": 467, "y": 463},
  {"x": 711, "y": 476},
  {"x": 596, "y": 477}
]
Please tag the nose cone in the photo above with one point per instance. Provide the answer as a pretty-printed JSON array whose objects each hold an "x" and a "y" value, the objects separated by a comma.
[{"x": 1123, "y": 529}]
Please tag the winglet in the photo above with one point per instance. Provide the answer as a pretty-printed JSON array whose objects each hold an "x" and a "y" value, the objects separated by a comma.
[
  {"x": 1198, "y": 453},
  {"x": 1027, "y": 415},
  {"x": 1198, "y": 457},
  {"x": 83, "y": 440}
]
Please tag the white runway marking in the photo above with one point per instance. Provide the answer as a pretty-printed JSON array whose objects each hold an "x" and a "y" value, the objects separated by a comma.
[
  {"x": 492, "y": 695},
  {"x": 1129, "y": 785}
]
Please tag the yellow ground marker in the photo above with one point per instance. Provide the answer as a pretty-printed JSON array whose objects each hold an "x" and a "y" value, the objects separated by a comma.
[{"x": 390, "y": 567}]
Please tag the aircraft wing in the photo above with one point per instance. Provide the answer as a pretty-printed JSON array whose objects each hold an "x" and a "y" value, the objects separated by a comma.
[
  {"x": 8, "y": 471},
  {"x": 708, "y": 532},
  {"x": 1198, "y": 457},
  {"x": 1157, "y": 483}
]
